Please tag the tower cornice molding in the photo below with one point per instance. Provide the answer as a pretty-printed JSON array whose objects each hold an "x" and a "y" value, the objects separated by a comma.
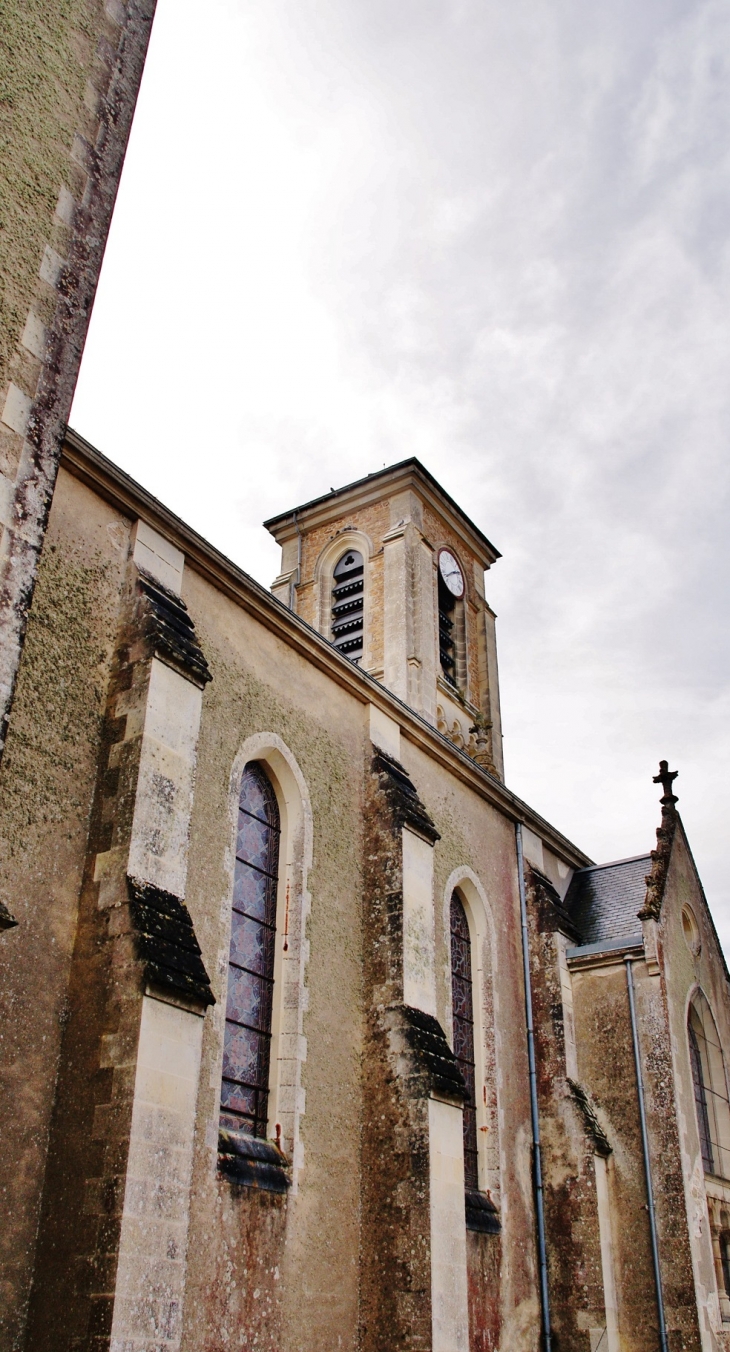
[{"x": 386, "y": 483}]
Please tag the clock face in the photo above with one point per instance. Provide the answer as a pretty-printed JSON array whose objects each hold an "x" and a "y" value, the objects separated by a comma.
[{"x": 451, "y": 573}]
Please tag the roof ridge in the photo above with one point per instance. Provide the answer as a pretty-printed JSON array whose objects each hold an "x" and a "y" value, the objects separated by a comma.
[{"x": 613, "y": 863}]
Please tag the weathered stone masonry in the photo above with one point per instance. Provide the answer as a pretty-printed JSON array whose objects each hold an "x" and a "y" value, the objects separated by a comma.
[
  {"x": 71, "y": 80},
  {"x": 569, "y": 1146},
  {"x": 155, "y": 1232},
  {"x": 413, "y": 1295},
  {"x": 129, "y": 1064}
]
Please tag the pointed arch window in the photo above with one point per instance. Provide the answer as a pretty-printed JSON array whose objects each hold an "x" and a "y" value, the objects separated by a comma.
[
  {"x": 447, "y": 635},
  {"x": 710, "y": 1088},
  {"x": 348, "y": 596},
  {"x": 247, "y": 1043},
  {"x": 700, "y": 1088},
  {"x": 462, "y": 1007}
]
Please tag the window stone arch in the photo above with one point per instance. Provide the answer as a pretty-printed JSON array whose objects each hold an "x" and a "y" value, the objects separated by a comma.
[
  {"x": 462, "y": 1028},
  {"x": 451, "y": 627},
  {"x": 286, "y": 1103},
  {"x": 250, "y": 985},
  {"x": 348, "y": 600},
  {"x": 324, "y": 582},
  {"x": 477, "y": 910},
  {"x": 709, "y": 1082}
]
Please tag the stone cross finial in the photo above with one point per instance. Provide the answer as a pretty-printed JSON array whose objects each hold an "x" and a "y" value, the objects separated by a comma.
[
  {"x": 656, "y": 880},
  {"x": 666, "y": 778}
]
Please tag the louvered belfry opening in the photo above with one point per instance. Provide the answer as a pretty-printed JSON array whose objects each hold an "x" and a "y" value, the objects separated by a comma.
[
  {"x": 347, "y": 605},
  {"x": 247, "y": 1043},
  {"x": 462, "y": 1009},
  {"x": 447, "y": 644}
]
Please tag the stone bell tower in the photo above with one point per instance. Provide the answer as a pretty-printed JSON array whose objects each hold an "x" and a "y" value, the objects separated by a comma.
[{"x": 392, "y": 572}]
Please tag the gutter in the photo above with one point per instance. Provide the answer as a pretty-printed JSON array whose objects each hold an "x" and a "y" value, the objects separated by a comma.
[
  {"x": 405, "y": 471},
  {"x": 605, "y": 953},
  {"x": 536, "y": 1143},
  {"x": 295, "y": 581}
]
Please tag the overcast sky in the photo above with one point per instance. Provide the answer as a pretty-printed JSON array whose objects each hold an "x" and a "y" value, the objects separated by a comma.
[{"x": 492, "y": 236}]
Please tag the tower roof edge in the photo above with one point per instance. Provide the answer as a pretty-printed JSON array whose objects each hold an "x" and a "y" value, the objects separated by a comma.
[{"x": 390, "y": 480}]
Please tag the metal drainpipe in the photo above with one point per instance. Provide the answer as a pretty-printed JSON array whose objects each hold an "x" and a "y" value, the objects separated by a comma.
[
  {"x": 647, "y": 1165},
  {"x": 536, "y": 1147},
  {"x": 295, "y": 583}
]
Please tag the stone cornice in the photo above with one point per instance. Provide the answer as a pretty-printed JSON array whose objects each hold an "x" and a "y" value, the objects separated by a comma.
[
  {"x": 130, "y": 499},
  {"x": 387, "y": 482}
]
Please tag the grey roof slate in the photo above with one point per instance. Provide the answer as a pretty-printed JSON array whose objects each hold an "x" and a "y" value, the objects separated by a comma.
[{"x": 604, "y": 901}]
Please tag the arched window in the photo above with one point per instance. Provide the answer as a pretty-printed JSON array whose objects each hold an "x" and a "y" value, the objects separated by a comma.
[
  {"x": 710, "y": 1088},
  {"x": 462, "y": 1006},
  {"x": 347, "y": 605},
  {"x": 447, "y": 640},
  {"x": 247, "y": 1045},
  {"x": 701, "y": 1091},
  {"x": 451, "y": 590}
]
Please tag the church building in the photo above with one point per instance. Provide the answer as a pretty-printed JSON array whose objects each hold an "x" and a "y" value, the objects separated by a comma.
[{"x": 315, "y": 1037}]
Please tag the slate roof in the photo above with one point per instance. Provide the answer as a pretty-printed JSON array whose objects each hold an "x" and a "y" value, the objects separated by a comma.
[{"x": 604, "y": 901}]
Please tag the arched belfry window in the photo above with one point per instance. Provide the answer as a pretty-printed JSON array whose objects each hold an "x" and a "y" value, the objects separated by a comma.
[
  {"x": 348, "y": 594},
  {"x": 447, "y": 639},
  {"x": 462, "y": 1007},
  {"x": 710, "y": 1088},
  {"x": 247, "y": 1045},
  {"x": 451, "y": 619}
]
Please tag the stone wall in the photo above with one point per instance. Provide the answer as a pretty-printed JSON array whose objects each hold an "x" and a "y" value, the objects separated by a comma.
[
  {"x": 143, "y": 1235},
  {"x": 602, "y": 1022},
  {"x": 71, "y": 70},
  {"x": 480, "y": 845},
  {"x": 691, "y": 960},
  {"x": 284, "y": 1268},
  {"x": 110, "y": 1257},
  {"x": 569, "y": 1147},
  {"x": 47, "y": 781}
]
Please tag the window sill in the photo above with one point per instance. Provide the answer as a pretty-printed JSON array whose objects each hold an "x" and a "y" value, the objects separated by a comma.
[
  {"x": 251, "y": 1162},
  {"x": 481, "y": 1213}
]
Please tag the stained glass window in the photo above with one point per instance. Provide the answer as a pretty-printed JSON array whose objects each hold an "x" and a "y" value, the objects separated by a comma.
[
  {"x": 462, "y": 1006},
  {"x": 703, "y": 1118},
  {"x": 247, "y": 1044},
  {"x": 710, "y": 1088}
]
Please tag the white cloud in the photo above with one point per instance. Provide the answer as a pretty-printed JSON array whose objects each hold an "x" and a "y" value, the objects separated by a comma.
[{"x": 494, "y": 237}]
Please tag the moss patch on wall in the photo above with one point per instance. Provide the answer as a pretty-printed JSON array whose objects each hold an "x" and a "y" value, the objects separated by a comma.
[
  {"x": 45, "y": 48},
  {"x": 238, "y": 704},
  {"x": 58, "y": 705}
]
